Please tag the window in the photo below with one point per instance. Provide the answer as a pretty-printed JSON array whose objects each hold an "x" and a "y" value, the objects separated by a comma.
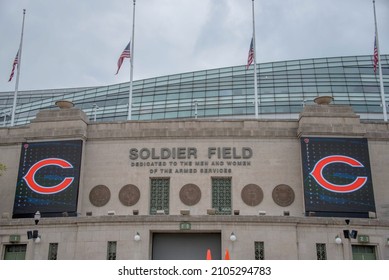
[
  {"x": 259, "y": 250},
  {"x": 221, "y": 195},
  {"x": 159, "y": 195},
  {"x": 111, "y": 250},
  {"x": 53, "y": 250},
  {"x": 321, "y": 252}
]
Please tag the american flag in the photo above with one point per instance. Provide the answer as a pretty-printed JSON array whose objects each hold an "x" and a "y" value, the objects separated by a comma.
[
  {"x": 125, "y": 54},
  {"x": 250, "y": 58},
  {"x": 16, "y": 61},
  {"x": 375, "y": 56}
]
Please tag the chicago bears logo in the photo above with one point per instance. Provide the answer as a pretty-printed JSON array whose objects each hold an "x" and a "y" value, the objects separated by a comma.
[
  {"x": 36, "y": 187},
  {"x": 317, "y": 174}
]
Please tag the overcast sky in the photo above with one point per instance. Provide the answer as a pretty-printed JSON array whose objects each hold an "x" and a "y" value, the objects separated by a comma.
[{"x": 76, "y": 43}]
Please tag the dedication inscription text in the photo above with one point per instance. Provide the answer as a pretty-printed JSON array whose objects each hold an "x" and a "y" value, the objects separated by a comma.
[{"x": 186, "y": 160}]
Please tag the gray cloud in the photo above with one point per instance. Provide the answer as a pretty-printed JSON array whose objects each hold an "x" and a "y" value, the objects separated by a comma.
[{"x": 70, "y": 43}]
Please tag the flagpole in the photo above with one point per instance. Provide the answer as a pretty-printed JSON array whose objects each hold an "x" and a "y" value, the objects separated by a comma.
[
  {"x": 255, "y": 67},
  {"x": 18, "y": 73},
  {"x": 131, "y": 64},
  {"x": 379, "y": 67}
]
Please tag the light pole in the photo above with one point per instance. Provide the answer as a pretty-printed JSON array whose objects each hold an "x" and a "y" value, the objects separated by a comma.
[
  {"x": 95, "y": 108},
  {"x": 195, "y": 104},
  {"x": 34, "y": 234}
]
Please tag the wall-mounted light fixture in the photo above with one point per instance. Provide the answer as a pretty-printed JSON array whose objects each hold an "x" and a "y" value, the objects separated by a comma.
[
  {"x": 338, "y": 240},
  {"x": 350, "y": 234},
  {"x": 34, "y": 234},
  {"x": 137, "y": 237},
  {"x": 232, "y": 237},
  {"x": 37, "y": 217}
]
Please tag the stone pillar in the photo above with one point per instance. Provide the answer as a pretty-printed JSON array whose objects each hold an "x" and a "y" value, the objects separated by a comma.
[
  {"x": 58, "y": 124},
  {"x": 329, "y": 120}
]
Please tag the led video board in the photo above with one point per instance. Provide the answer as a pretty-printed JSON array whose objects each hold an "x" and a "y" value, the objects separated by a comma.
[
  {"x": 48, "y": 179},
  {"x": 337, "y": 177}
]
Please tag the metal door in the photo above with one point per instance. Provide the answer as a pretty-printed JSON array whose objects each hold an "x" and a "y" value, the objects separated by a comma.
[{"x": 185, "y": 246}]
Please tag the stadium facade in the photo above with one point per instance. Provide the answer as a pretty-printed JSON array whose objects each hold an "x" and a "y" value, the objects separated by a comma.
[
  {"x": 284, "y": 87},
  {"x": 304, "y": 181}
]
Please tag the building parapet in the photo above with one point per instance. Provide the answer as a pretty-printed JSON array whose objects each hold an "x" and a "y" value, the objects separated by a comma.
[{"x": 318, "y": 120}]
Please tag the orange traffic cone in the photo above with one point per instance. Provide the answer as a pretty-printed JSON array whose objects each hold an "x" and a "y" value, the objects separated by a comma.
[
  {"x": 209, "y": 257},
  {"x": 227, "y": 255}
]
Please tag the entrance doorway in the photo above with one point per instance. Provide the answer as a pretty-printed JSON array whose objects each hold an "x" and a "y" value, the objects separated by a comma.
[
  {"x": 15, "y": 252},
  {"x": 364, "y": 252},
  {"x": 185, "y": 246}
]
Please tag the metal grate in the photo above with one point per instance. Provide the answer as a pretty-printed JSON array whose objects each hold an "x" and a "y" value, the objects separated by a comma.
[
  {"x": 259, "y": 250},
  {"x": 221, "y": 195},
  {"x": 321, "y": 251},
  {"x": 159, "y": 195},
  {"x": 111, "y": 250},
  {"x": 53, "y": 251}
]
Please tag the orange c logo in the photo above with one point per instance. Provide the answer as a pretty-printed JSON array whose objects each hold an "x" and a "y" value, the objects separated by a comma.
[
  {"x": 317, "y": 173},
  {"x": 34, "y": 186}
]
